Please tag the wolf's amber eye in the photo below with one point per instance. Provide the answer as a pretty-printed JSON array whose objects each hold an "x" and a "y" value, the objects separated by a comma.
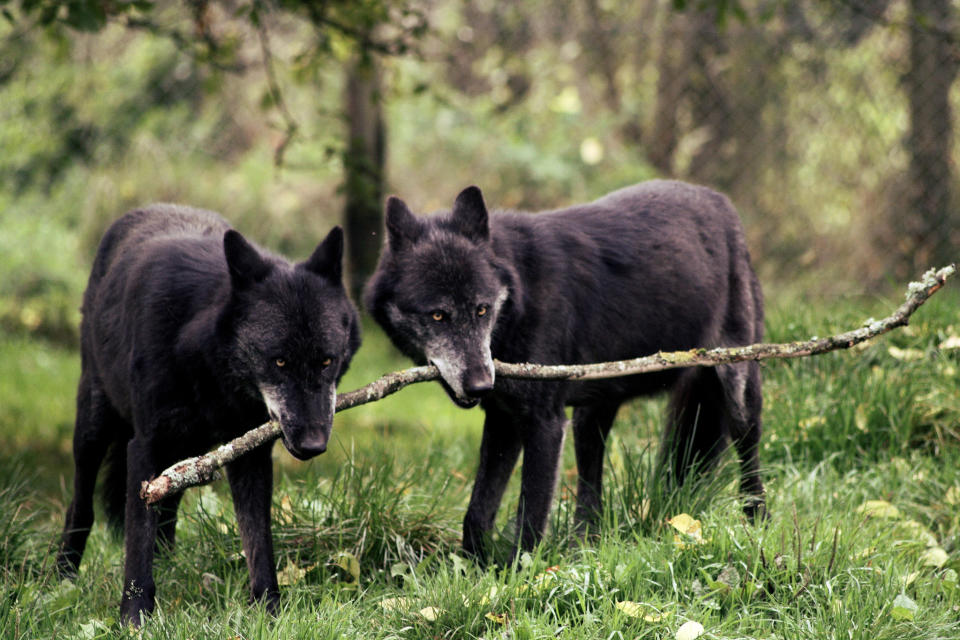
[
  {"x": 438, "y": 316},
  {"x": 281, "y": 362},
  {"x": 326, "y": 362},
  {"x": 482, "y": 310}
]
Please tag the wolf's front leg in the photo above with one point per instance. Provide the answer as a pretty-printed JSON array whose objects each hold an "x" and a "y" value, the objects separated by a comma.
[
  {"x": 591, "y": 425},
  {"x": 499, "y": 450},
  {"x": 91, "y": 438},
  {"x": 542, "y": 445},
  {"x": 251, "y": 484},
  {"x": 140, "y": 532}
]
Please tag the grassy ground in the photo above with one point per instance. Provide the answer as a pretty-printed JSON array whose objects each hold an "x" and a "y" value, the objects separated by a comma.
[{"x": 861, "y": 453}]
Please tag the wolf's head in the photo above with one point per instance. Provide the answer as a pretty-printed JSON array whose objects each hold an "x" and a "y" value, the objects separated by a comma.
[
  {"x": 439, "y": 290},
  {"x": 291, "y": 332}
]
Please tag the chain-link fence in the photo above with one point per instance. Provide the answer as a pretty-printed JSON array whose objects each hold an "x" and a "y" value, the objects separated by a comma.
[{"x": 828, "y": 122}]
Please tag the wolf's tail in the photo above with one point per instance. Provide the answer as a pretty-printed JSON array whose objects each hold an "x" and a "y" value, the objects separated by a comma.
[
  {"x": 114, "y": 485},
  {"x": 694, "y": 436}
]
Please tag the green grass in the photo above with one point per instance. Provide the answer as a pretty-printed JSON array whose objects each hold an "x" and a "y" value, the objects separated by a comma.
[{"x": 367, "y": 535}]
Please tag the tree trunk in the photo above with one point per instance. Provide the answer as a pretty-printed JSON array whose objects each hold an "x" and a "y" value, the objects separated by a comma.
[
  {"x": 602, "y": 51},
  {"x": 363, "y": 164},
  {"x": 928, "y": 227},
  {"x": 673, "y": 65},
  {"x": 712, "y": 103}
]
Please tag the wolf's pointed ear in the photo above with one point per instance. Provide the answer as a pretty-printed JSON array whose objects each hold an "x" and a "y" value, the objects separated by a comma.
[
  {"x": 244, "y": 262},
  {"x": 470, "y": 214},
  {"x": 327, "y": 258},
  {"x": 402, "y": 226}
]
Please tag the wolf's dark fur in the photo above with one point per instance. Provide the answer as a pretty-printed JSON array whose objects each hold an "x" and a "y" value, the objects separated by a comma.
[
  {"x": 658, "y": 266},
  {"x": 192, "y": 336}
]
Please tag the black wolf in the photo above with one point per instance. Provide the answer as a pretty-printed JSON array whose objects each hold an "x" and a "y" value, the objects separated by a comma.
[
  {"x": 658, "y": 266},
  {"x": 192, "y": 336}
]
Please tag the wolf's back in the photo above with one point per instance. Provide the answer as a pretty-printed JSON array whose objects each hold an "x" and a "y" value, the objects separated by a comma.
[{"x": 129, "y": 231}]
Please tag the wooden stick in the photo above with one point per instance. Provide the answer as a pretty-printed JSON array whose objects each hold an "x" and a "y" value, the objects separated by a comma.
[{"x": 202, "y": 469}]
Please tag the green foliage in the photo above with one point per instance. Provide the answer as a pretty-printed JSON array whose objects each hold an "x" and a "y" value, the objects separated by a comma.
[
  {"x": 356, "y": 20},
  {"x": 720, "y": 9},
  {"x": 516, "y": 101},
  {"x": 19, "y": 514},
  {"x": 72, "y": 164},
  {"x": 39, "y": 291},
  {"x": 37, "y": 383},
  {"x": 82, "y": 15}
]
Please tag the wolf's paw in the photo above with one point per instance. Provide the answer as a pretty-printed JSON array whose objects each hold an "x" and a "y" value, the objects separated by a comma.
[
  {"x": 755, "y": 508},
  {"x": 135, "y": 611},
  {"x": 269, "y": 598},
  {"x": 67, "y": 567}
]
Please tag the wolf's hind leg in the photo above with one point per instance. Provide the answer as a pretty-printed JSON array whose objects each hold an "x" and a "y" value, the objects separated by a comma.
[
  {"x": 742, "y": 388},
  {"x": 97, "y": 425},
  {"x": 591, "y": 425},
  {"x": 695, "y": 433},
  {"x": 499, "y": 450}
]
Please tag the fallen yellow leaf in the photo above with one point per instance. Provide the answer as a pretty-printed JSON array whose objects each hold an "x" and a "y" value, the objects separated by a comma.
[
  {"x": 632, "y": 609},
  {"x": 860, "y": 418},
  {"x": 490, "y": 595},
  {"x": 952, "y": 342},
  {"x": 291, "y": 574},
  {"x": 689, "y": 528},
  {"x": 429, "y": 613},
  {"x": 812, "y": 421},
  {"x": 349, "y": 563},
  {"x": 637, "y": 610},
  {"x": 953, "y": 495},
  {"x": 684, "y": 523},
  {"x": 689, "y": 631},
  {"x": 393, "y": 604},
  {"x": 934, "y": 557},
  {"x": 914, "y": 531},
  {"x": 907, "y": 355},
  {"x": 878, "y": 509}
]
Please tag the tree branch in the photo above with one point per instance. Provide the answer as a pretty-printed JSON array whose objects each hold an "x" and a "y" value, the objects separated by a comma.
[
  {"x": 276, "y": 94},
  {"x": 202, "y": 469},
  {"x": 214, "y": 54}
]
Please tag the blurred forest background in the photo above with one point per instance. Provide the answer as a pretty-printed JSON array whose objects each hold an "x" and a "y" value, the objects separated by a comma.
[{"x": 828, "y": 122}]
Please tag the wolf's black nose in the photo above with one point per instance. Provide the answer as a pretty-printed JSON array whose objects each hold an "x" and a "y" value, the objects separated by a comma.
[
  {"x": 478, "y": 388},
  {"x": 306, "y": 449}
]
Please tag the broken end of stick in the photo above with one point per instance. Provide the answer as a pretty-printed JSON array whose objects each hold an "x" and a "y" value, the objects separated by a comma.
[
  {"x": 175, "y": 479},
  {"x": 931, "y": 282},
  {"x": 154, "y": 490}
]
